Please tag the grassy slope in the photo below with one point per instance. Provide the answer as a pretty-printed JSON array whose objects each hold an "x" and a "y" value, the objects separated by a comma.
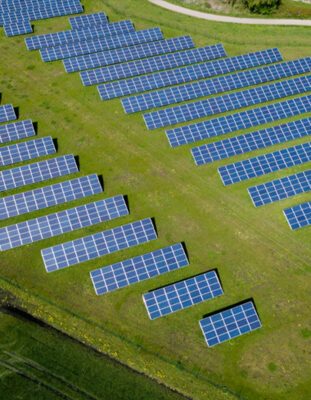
[{"x": 254, "y": 250}]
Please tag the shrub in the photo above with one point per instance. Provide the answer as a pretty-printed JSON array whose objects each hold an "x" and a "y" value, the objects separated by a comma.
[{"x": 262, "y": 6}]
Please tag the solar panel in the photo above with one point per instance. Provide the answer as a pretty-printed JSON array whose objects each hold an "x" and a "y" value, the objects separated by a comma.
[
  {"x": 187, "y": 74},
  {"x": 60, "y": 38},
  {"x": 139, "y": 268},
  {"x": 127, "y": 54},
  {"x": 88, "y": 20},
  {"x": 280, "y": 189},
  {"x": 229, "y": 324},
  {"x": 97, "y": 245},
  {"x": 7, "y": 113},
  {"x": 159, "y": 63},
  {"x": 234, "y": 122},
  {"x": 37, "y": 172},
  {"x": 264, "y": 164},
  {"x": 16, "y": 131},
  {"x": 181, "y": 295},
  {"x": 228, "y": 102},
  {"x": 26, "y": 151},
  {"x": 61, "y": 222},
  {"x": 208, "y": 87},
  {"x": 48, "y": 196},
  {"x": 104, "y": 43},
  {"x": 251, "y": 141},
  {"x": 18, "y": 28},
  {"x": 298, "y": 216}
]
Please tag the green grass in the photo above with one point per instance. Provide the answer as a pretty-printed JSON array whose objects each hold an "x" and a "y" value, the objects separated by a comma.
[{"x": 254, "y": 250}]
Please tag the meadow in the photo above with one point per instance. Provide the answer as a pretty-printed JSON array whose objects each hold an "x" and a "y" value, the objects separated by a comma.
[{"x": 254, "y": 251}]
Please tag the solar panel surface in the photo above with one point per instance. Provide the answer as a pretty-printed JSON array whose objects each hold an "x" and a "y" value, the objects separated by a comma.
[
  {"x": 88, "y": 20},
  {"x": 16, "y": 131},
  {"x": 61, "y": 222},
  {"x": 7, "y": 113},
  {"x": 298, "y": 216},
  {"x": 229, "y": 324},
  {"x": 228, "y": 102},
  {"x": 234, "y": 122},
  {"x": 48, "y": 196},
  {"x": 18, "y": 28},
  {"x": 98, "y": 245},
  {"x": 264, "y": 164},
  {"x": 280, "y": 189},
  {"x": 183, "y": 294}
]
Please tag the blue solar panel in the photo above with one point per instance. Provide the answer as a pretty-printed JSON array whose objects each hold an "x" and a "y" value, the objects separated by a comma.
[
  {"x": 97, "y": 245},
  {"x": 7, "y": 113},
  {"x": 298, "y": 216},
  {"x": 187, "y": 74},
  {"x": 88, "y": 20},
  {"x": 16, "y": 131},
  {"x": 280, "y": 189},
  {"x": 261, "y": 165},
  {"x": 228, "y": 102},
  {"x": 61, "y": 222},
  {"x": 104, "y": 43},
  {"x": 138, "y": 269},
  {"x": 18, "y": 28},
  {"x": 229, "y": 324},
  {"x": 208, "y": 87},
  {"x": 26, "y": 151},
  {"x": 159, "y": 63},
  {"x": 251, "y": 141},
  {"x": 48, "y": 196},
  {"x": 37, "y": 172},
  {"x": 234, "y": 122},
  {"x": 181, "y": 295},
  {"x": 127, "y": 54},
  {"x": 60, "y": 38}
]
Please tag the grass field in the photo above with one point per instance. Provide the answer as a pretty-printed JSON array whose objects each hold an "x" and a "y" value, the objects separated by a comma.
[{"x": 254, "y": 250}]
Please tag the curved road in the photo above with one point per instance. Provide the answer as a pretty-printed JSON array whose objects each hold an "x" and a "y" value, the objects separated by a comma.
[{"x": 234, "y": 20}]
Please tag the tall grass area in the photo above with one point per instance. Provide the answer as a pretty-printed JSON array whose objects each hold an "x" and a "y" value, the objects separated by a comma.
[{"x": 254, "y": 250}]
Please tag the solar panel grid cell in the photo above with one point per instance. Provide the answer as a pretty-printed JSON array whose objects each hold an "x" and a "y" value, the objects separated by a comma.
[
  {"x": 187, "y": 74},
  {"x": 144, "y": 66},
  {"x": 234, "y": 122},
  {"x": 88, "y": 20},
  {"x": 264, "y": 164},
  {"x": 104, "y": 43},
  {"x": 228, "y": 102},
  {"x": 298, "y": 216},
  {"x": 16, "y": 131},
  {"x": 18, "y": 28},
  {"x": 7, "y": 113},
  {"x": 61, "y": 222},
  {"x": 229, "y": 324},
  {"x": 145, "y": 50},
  {"x": 97, "y": 245},
  {"x": 182, "y": 295},
  {"x": 48, "y": 196},
  {"x": 139, "y": 268}
]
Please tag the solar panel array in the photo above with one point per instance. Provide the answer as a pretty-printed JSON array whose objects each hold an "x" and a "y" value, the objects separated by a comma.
[
  {"x": 7, "y": 113},
  {"x": 265, "y": 164},
  {"x": 228, "y": 102},
  {"x": 139, "y": 268},
  {"x": 26, "y": 151},
  {"x": 298, "y": 216},
  {"x": 279, "y": 189},
  {"x": 145, "y": 66},
  {"x": 16, "y": 131},
  {"x": 37, "y": 172},
  {"x": 229, "y": 324},
  {"x": 104, "y": 43},
  {"x": 251, "y": 141},
  {"x": 97, "y": 245},
  {"x": 48, "y": 196},
  {"x": 208, "y": 87},
  {"x": 60, "y": 38},
  {"x": 187, "y": 74},
  {"x": 234, "y": 122},
  {"x": 104, "y": 58},
  {"x": 61, "y": 222},
  {"x": 182, "y": 295},
  {"x": 88, "y": 20},
  {"x": 18, "y": 28}
]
